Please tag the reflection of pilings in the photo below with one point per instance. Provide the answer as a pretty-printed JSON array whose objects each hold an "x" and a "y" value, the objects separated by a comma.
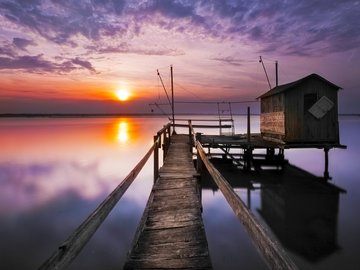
[
  {"x": 249, "y": 198},
  {"x": 303, "y": 213},
  {"x": 272, "y": 252}
]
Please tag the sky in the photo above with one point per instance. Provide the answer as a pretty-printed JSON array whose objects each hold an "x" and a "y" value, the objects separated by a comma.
[{"x": 71, "y": 56}]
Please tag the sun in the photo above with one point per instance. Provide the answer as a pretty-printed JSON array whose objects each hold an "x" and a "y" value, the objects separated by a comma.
[{"x": 122, "y": 94}]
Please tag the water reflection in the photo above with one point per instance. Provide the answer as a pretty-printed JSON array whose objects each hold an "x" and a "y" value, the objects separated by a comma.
[
  {"x": 301, "y": 209},
  {"x": 53, "y": 174},
  {"x": 123, "y": 135},
  {"x": 303, "y": 212}
]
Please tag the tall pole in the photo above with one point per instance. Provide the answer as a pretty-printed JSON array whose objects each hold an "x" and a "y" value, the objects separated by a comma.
[
  {"x": 172, "y": 98},
  {"x": 267, "y": 77},
  {"x": 277, "y": 73},
  {"x": 248, "y": 125}
]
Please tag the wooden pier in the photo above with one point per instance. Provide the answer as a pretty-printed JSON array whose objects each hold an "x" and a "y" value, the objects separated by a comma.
[{"x": 171, "y": 233}]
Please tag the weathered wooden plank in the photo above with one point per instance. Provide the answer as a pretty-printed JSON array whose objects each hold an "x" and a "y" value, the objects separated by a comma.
[
  {"x": 180, "y": 234},
  {"x": 173, "y": 205},
  {"x": 178, "y": 184},
  {"x": 179, "y": 263},
  {"x": 174, "y": 193},
  {"x": 172, "y": 250}
]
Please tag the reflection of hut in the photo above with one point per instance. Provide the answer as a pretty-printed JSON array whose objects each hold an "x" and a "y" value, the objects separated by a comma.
[
  {"x": 303, "y": 213},
  {"x": 303, "y": 111}
]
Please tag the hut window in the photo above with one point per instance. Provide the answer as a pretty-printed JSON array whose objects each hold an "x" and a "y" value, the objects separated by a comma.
[{"x": 309, "y": 100}]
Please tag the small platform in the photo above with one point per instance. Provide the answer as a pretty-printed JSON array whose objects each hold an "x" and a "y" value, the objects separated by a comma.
[
  {"x": 256, "y": 142},
  {"x": 171, "y": 234},
  {"x": 248, "y": 143}
]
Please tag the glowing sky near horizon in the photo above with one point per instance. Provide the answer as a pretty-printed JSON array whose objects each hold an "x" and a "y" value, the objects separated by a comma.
[{"x": 59, "y": 56}]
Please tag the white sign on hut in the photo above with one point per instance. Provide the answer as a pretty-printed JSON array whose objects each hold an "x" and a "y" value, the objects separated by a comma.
[{"x": 301, "y": 112}]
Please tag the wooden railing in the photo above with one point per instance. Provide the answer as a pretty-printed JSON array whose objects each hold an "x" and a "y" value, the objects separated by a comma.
[
  {"x": 72, "y": 246},
  {"x": 270, "y": 249}
]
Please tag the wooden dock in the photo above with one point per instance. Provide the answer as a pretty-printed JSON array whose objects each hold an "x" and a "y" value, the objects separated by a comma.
[{"x": 171, "y": 233}]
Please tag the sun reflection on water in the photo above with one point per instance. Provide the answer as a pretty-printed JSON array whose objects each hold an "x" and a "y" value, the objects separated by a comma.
[
  {"x": 83, "y": 156},
  {"x": 123, "y": 131}
]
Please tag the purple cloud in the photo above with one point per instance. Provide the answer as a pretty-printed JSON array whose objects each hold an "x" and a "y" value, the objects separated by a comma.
[
  {"x": 287, "y": 27},
  {"x": 22, "y": 43},
  {"x": 84, "y": 64},
  {"x": 7, "y": 50},
  {"x": 37, "y": 64},
  {"x": 229, "y": 60},
  {"x": 30, "y": 63}
]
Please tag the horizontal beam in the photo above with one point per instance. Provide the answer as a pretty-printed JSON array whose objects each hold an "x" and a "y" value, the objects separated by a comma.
[
  {"x": 204, "y": 126},
  {"x": 203, "y": 120}
]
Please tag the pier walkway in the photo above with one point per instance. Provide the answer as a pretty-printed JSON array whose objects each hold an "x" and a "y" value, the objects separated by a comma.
[{"x": 171, "y": 233}]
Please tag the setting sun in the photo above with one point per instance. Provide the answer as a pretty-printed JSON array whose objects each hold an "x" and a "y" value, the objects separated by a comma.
[{"x": 122, "y": 94}]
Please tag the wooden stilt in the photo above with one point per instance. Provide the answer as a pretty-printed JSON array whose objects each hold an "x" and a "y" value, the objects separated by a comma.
[
  {"x": 248, "y": 125},
  {"x": 156, "y": 159},
  {"x": 326, "y": 169}
]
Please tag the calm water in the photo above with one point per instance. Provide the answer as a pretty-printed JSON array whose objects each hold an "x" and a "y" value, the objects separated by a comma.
[{"x": 54, "y": 172}]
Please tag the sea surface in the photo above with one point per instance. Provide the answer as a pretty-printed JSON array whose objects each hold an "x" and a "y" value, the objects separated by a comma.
[{"x": 55, "y": 171}]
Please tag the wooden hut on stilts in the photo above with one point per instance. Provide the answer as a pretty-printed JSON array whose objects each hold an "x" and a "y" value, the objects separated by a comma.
[{"x": 302, "y": 114}]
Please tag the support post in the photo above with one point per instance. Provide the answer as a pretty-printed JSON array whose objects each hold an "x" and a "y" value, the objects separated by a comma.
[
  {"x": 164, "y": 145},
  {"x": 248, "y": 125},
  {"x": 276, "y": 73},
  {"x": 249, "y": 198},
  {"x": 190, "y": 138},
  {"x": 169, "y": 134},
  {"x": 199, "y": 167},
  {"x": 172, "y": 99},
  {"x": 199, "y": 163},
  {"x": 326, "y": 169},
  {"x": 159, "y": 139},
  {"x": 156, "y": 159},
  {"x": 248, "y": 156}
]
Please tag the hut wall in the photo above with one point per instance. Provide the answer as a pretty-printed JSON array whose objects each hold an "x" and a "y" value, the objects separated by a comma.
[
  {"x": 301, "y": 125},
  {"x": 272, "y": 118}
]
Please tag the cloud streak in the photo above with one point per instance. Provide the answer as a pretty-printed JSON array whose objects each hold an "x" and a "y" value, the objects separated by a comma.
[
  {"x": 126, "y": 48},
  {"x": 37, "y": 64}
]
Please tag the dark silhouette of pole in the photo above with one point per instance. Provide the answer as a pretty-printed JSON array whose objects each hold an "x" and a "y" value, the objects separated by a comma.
[
  {"x": 172, "y": 98},
  {"x": 248, "y": 125},
  {"x": 277, "y": 73},
  {"x": 267, "y": 77}
]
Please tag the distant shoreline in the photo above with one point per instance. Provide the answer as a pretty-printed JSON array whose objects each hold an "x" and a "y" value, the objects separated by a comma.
[{"x": 83, "y": 115}]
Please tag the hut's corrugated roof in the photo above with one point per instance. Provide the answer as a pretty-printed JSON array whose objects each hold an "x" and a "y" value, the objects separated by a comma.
[{"x": 285, "y": 87}]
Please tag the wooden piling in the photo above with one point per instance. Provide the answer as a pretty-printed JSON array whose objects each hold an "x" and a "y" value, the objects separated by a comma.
[
  {"x": 156, "y": 158},
  {"x": 248, "y": 125},
  {"x": 326, "y": 169}
]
